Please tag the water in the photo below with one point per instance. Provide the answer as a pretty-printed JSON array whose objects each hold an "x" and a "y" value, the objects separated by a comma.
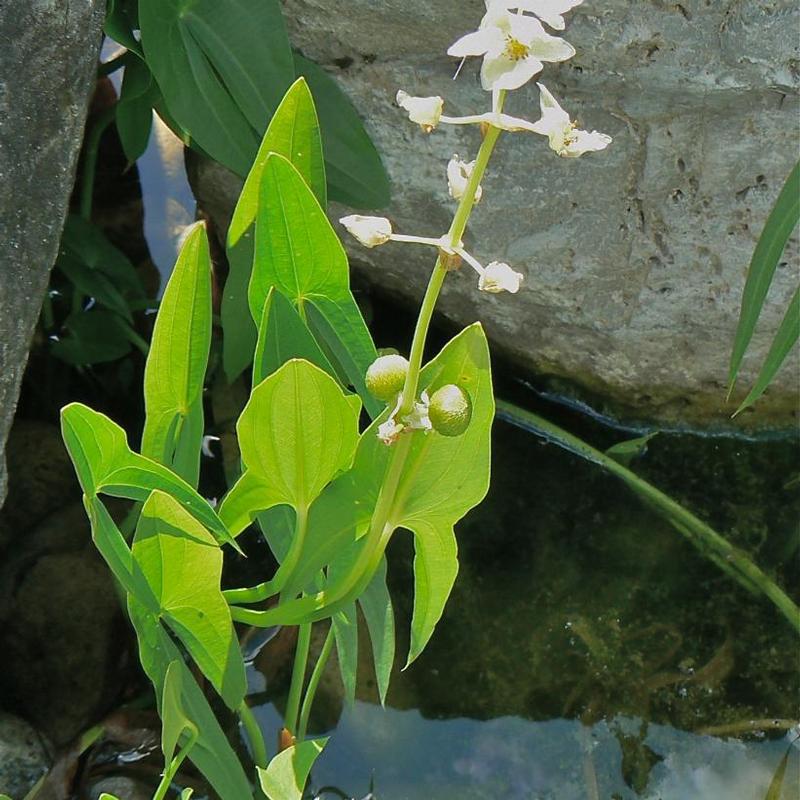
[{"x": 588, "y": 650}]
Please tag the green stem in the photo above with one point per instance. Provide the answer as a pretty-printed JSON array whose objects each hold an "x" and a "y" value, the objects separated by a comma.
[
  {"x": 172, "y": 770},
  {"x": 262, "y": 591},
  {"x": 313, "y": 684},
  {"x": 254, "y": 735},
  {"x": 104, "y": 119},
  {"x": 298, "y": 676},
  {"x": 702, "y": 536}
]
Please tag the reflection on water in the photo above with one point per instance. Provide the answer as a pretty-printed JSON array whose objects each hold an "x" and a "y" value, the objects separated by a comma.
[{"x": 509, "y": 758}]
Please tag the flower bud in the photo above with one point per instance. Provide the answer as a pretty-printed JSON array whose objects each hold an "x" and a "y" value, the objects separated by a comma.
[
  {"x": 425, "y": 111},
  {"x": 370, "y": 231},
  {"x": 386, "y": 376},
  {"x": 499, "y": 277},
  {"x": 450, "y": 410}
]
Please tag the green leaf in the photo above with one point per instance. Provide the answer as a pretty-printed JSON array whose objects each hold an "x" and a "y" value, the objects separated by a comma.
[
  {"x": 121, "y": 21},
  {"x": 298, "y": 252},
  {"x": 345, "y": 631},
  {"x": 775, "y": 789},
  {"x": 779, "y": 226},
  {"x": 174, "y": 721},
  {"x": 376, "y": 604},
  {"x": 115, "y": 551},
  {"x": 222, "y": 67},
  {"x": 105, "y": 464},
  {"x": 297, "y": 431},
  {"x": 96, "y": 284},
  {"x": 134, "y": 116},
  {"x": 212, "y": 753},
  {"x": 627, "y": 451},
  {"x": 282, "y": 336},
  {"x": 293, "y": 133},
  {"x": 182, "y": 563},
  {"x": 356, "y": 175},
  {"x": 786, "y": 337},
  {"x": 176, "y": 364},
  {"x": 286, "y": 775},
  {"x": 96, "y": 336},
  {"x": 87, "y": 243}
]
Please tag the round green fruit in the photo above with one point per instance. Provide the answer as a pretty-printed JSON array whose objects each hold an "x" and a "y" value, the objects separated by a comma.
[
  {"x": 386, "y": 376},
  {"x": 450, "y": 410}
]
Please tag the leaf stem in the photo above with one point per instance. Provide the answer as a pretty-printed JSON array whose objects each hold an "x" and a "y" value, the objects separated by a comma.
[
  {"x": 313, "y": 684},
  {"x": 174, "y": 766},
  {"x": 91, "y": 149},
  {"x": 298, "y": 676},
  {"x": 254, "y": 735}
]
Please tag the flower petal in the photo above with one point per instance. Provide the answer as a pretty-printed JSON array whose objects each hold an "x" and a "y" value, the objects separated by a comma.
[
  {"x": 505, "y": 73},
  {"x": 370, "y": 231},
  {"x": 476, "y": 43},
  {"x": 551, "y": 48},
  {"x": 499, "y": 277},
  {"x": 425, "y": 111}
]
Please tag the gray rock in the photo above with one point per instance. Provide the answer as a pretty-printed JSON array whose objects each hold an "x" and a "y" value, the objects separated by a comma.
[
  {"x": 48, "y": 55},
  {"x": 23, "y": 756},
  {"x": 634, "y": 258}
]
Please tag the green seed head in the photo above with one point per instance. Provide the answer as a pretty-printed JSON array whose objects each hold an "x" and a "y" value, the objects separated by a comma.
[
  {"x": 450, "y": 410},
  {"x": 386, "y": 376}
]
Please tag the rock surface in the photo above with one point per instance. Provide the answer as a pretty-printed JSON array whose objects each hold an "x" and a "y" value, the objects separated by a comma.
[
  {"x": 47, "y": 64},
  {"x": 23, "y": 756},
  {"x": 634, "y": 258}
]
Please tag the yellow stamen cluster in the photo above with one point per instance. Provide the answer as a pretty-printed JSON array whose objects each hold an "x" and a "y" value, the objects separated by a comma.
[{"x": 516, "y": 50}]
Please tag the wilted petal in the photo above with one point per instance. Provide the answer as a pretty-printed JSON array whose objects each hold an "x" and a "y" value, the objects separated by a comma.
[
  {"x": 458, "y": 175},
  {"x": 586, "y": 142},
  {"x": 370, "y": 231}
]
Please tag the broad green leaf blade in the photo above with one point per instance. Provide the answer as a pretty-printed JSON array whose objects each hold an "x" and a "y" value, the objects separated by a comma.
[
  {"x": 88, "y": 244},
  {"x": 104, "y": 463},
  {"x": 176, "y": 364},
  {"x": 377, "y": 607},
  {"x": 341, "y": 328},
  {"x": 627, "y": 451},
  {"x": 134, "y": 115},
  {"x": 173, "y": 718},
  {"x": 285, "y": 777},
  {"x": 121, "y": 22},
  {"x": 435, "y": 570},
  {"x": 356, "y": 175},
  {"x": 779, "y": 226},
  {"x": 282, "y": 336},
  {"x": 94, "y": 283},
  {"x": 212, "y": 753},
  {"x": 182, "y": 563},
  {"x": 222, "y": 67},
  {"x": 345, "y": 631},
  {"x": 93, "y": 337},
  {"x": 297, "y": 251},
  {"x": 293, "y": 133},
  {"x": 249, "y": 496},
  {"x": 786, "y": 337},
  {"x": 239, "y": 330},
  {"x": 115, "y": 551},
  {"x": 297, "y": 431}
]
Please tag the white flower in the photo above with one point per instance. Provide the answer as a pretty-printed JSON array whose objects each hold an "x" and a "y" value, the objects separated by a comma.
[
  {"x": 389, "y": 431},
  {"x": 549, "y": 11},
  {"x": 458, "y": 175},
  {"x": 565, "y": 137},
  {"x": 499, "y": 277},
  {"x": 417, "y": 419},
  {"x": 513, "y": 47},
  {"x": 370, "y": 231},
  {"x": 425, "y": 111}
]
